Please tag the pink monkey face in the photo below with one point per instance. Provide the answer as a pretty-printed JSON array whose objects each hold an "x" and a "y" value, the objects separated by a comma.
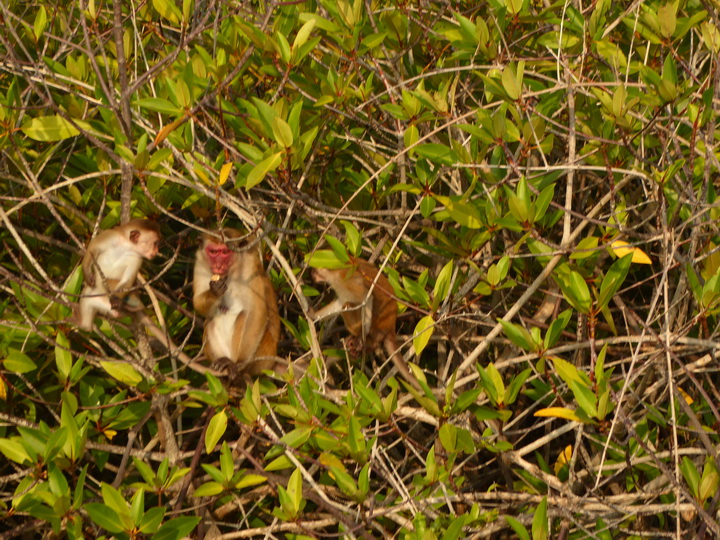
[{"x": 220, "y": 257}]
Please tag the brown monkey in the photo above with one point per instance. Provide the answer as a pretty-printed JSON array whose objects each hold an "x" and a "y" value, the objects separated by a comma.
[
  {"x": 372, "y": 322},
  {"x": 110, "y": 266},
  {"x": 233, "y": 291}
]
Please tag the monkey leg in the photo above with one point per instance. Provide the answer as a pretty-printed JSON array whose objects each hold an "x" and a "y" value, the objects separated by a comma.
[
  {"x": 132, "y": 303},
  {"x": 250, "y": 326},
  {"x": 90, "y": 306}
]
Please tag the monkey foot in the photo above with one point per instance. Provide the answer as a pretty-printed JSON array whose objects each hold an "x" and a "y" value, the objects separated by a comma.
[
  {"x": 227, "y": 365},
  {"x": 354, "y": 345},
  {"x": 132, "y": 304}
]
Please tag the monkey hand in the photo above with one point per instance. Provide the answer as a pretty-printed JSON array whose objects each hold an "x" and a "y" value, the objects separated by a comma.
[
  {"x": 116, "y": 302},
  {"x": 218, "y": 286}
]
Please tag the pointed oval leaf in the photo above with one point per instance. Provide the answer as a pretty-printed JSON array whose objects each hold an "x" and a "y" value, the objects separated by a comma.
[
  {"x": 282, "y": 132},
  {"x": 262, "y": 169},
  {"x": 125, "y": 373},
  {"x": 423, "y": 332},
  {"x": 50, "y": 128},
  {"x": 215, "y": 431},
  {"x": 540, "y": 521},
  {"x": 621, "y": 248},
  {"x": 614, "y": 279},
  {"x": 559, "y": 412}
]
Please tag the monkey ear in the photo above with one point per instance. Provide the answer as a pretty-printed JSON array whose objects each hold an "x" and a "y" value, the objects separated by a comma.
[{"x": 134, "y": 235}]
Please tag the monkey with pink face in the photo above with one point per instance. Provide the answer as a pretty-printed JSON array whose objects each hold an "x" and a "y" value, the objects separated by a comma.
[
  {"x": 231, "y": 289},
  {"x": 110, "y": 266}
]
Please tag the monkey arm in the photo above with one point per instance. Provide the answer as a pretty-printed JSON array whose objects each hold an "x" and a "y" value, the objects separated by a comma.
[
  {"x": 88, "y": 266},
  {"x": 333, "y": 308},
  {"x": 204, "y": 298},
  {"x": 205, "y": 301}
]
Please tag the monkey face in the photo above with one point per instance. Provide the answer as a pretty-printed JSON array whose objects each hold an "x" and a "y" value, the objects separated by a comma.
[
  {"x": 220, "y": 257},
  {"x": 146, "y": 242}
]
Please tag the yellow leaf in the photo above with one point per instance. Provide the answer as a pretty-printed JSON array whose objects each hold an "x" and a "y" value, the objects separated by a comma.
[
  {"x": 109, "y": 434},
  {"x": 224, "y": 173},
  {"x": 167, "y": 130},
  {"x": 563, "y": 458},
  {"x": 686, "y": 396},
  {"x": 3, "y": 390},
  {"x": 559, "y": 412},
  {"x": 621, "y": 248}
]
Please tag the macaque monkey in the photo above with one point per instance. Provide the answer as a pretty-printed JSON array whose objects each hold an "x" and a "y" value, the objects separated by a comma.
[
  {"x": 110, "y": 266},
  {"x": 232, "y": 290},
  {"x": 372, "y": 321}
]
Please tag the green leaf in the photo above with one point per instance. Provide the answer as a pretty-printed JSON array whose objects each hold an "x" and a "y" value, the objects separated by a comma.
[
  {"x": 338, "y": 248},
  {"x": 282, "y": 132},
  {"x": 576, "y": 292},
  {"x": 518, "y": 527},
  {"x": 282, "y": 46},
  {"x": 454, "y": 531},
  {"x": 442, "y": 284},
  {"x": 465, "y": 214},
  {"x": 510, "y": 83},
  {"x": 125, "y": 373},
  {"x": 50, "y": 128},
  {"x": 422, "y": 334},
  {"x": 488, "y": 384},
  {"x": 543, "y": 201},
  {"x": 614, "y": 279},
  {"x": 18, "y": 362},
  {"x": 294, "y": 490},
  {"x": 567, "y": 371},
  {"x": 168, "y": 10},
  {"x": 105, "y": 517},
  {"x": 448, "y": 437},
  {"x": 249, "y": 480},
  {"x": 585, "y": 248},
  {"x": 692, "y": 477},
  {"x": 40, "y": 23},
  {"x": 258, "y": 173},
  {"x": 353, "y": 238},
  {"x": 356, "y": 439},
  {"x": 517, "y": 334},
  {"x": 437, "y": 153},
  {"x": 209, "y": 489},
  {"x": 667, "y": 19},
  {"x": 215, "y": 431},
  {"x": 115, "y": 501},
  {"x": 709, "y": 482},
  {"x": 324, "y": 258},
  {"x": 14, "y": 451},
  {"x": 159, "y": 105},
  {"x": 63, "y": 357},
  {"x": 585, "y": 397},
  {"x": 540, "y": 521},
  {"x": 515, "y": 386},
  {"x": 177, "y": 528},
  {"x": 151, "y": 520},
  {"x": 556, "y": 328},
  {"x": 303, "y": 34}
]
